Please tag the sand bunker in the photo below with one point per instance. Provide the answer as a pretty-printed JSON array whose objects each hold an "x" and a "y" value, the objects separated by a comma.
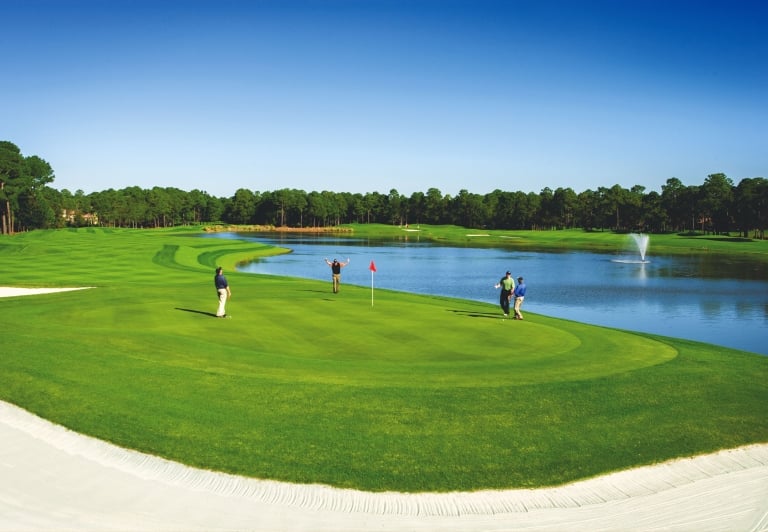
[{"x": 11, "y": 291}]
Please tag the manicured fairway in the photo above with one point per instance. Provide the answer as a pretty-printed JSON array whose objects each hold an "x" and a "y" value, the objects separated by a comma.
[{"x": 416, "y": 393}]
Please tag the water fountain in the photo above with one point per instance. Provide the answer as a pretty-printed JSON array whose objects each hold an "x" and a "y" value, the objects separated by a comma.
[
  {"x": 642, "y": 244},
  {"x": 640, "y": 241}
]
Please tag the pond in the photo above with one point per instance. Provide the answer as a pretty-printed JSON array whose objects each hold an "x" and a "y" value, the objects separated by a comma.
[{"x": 704, "y": 298}]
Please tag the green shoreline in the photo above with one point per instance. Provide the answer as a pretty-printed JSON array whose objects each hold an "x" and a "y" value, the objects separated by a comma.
[{"x": 562, "y": 240}]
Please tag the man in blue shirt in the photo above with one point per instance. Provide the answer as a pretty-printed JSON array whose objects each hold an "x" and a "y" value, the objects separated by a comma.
[{"x": 519, "y": 296}]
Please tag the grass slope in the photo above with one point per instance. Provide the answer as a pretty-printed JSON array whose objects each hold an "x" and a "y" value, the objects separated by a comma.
[
  {"x": 720, "y": 246},
  {"x": 415, "y": 393}
]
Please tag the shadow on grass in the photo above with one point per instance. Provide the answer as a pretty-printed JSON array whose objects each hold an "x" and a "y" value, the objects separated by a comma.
[
  {"x": 212, "y": 314},
  {"x": 475, "y": 314},
  {"x": 716, "y": 238}
]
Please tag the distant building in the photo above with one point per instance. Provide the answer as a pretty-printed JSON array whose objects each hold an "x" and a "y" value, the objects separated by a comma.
[{"x": 74, "y": 217}]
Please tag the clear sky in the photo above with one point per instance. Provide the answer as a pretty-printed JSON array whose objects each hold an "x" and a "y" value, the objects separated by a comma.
[{"x": 374, "y": 95}]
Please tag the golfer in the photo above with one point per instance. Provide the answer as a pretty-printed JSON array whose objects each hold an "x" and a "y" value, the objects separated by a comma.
[
  {"x": 223, "y": 291},
  {"x": 519, "y": 294},
  {"x": 336, "y": 267},
  {"x": 507, "y": 285}
]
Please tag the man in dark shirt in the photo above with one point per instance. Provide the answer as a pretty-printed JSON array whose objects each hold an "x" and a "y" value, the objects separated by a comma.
[
  {"x": 223, "y": 291},
  {"x": 336, "y": 267},
  {"x": 507, "y": 285}
]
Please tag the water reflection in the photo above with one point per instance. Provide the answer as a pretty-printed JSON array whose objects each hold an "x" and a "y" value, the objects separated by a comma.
[{"x": 724, "y": 302}]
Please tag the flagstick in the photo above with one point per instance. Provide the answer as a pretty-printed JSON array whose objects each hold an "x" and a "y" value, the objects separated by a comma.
[{"x": 372, "y": 267}]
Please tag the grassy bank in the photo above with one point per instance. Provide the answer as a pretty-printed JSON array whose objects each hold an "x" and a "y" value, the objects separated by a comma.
[
  {"x": 570, "y": 240},
  {"x": 415, "y": 394}
]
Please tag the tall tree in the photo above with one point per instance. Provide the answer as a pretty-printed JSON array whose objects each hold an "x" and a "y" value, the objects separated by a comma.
[
  {"x": 396, "y": 213},
  {"x": 634, "y": 217},
  {"x": 337, "y": 206},
  {"x": 11, "y": 163},
  {"x": 495, "y": 205},
  {"x": 528, "y": 205},
  {"x": 371, "y": 206},
  {"x": 467, "y": 209},
  {"x": 672, "y": 201},
  {"x": 159, "y": 206},
  {"x": 433, "y": 206},
  {"x": 241, "y": 207},
  {"x": 751, "y": 206},
  {"x": 564, "y": 202},
  {"x": 318, "y": 208},
  {"x": 19, "y": 176},
  {"x": 284, "y": 205},
  {"x": 655, "y": 220},
  {"x": 691, "y": 200},
  {"x": 717, "y": 202},
  {"x": 546, "y": 217},
  {"x": 613, "y": 202},
  {"x": 35, "y": 210},
  {"x": 416, "y": 208},
  {"x": 588, "y": 209}
]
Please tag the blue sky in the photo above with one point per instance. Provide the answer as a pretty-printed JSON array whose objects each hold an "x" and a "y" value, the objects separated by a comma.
[{"x": 374, "y": 95}]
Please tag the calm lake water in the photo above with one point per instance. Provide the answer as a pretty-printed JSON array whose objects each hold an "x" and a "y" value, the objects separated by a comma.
[{"x": 723, "y": 302}]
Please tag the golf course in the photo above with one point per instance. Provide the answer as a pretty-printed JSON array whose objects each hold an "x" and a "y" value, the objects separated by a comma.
[{"x": 417, "y": 394}]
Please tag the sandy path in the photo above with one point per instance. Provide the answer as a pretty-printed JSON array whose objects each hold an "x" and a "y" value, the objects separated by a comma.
[{"x": 53, "y": 479}]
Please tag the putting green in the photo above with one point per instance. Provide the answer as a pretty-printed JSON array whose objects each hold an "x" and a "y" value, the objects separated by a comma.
[
  {"x": 460, "y": 345},
  {"x": 403, "y": 341}
]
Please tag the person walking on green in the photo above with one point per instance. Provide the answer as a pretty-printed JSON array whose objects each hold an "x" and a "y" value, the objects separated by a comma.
[
  {"x": 507, "y": 285},
  {"x": 519, "y": 294}
]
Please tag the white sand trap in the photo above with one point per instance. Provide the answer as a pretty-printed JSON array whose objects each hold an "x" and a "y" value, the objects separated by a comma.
[
  {"x": 54, "y": 479},
  {"x": 478, "y": 234},
  {"x": 12, "y": 291}
]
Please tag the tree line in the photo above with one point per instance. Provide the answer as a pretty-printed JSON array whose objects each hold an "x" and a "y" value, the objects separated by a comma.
[{"x": 716, "y": 206}]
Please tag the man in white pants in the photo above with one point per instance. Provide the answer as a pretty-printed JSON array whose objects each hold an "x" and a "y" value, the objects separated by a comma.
[
  {"x": 223, "y": 290},
  {"x": 519, "y": 297}
]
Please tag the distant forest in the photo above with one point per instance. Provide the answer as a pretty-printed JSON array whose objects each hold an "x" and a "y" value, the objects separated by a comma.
[{"x": 716, "y": 206}]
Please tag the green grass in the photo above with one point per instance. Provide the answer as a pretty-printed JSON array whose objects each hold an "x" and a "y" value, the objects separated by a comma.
[{"x": 416, "y": 393}]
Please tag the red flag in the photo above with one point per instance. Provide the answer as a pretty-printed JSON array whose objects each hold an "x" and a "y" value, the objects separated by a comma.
[{"x": 372, "y": 267}]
